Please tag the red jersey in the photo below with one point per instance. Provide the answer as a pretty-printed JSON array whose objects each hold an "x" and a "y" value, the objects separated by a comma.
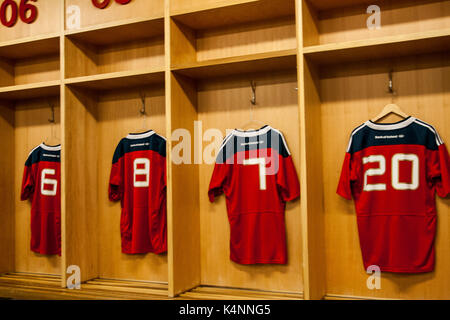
[
  {"x": 138, "y": 180},
  {"x": 41, "y": 185},
  {"x": 393, "y": 172},
  {"x": 254, "y": 170}
]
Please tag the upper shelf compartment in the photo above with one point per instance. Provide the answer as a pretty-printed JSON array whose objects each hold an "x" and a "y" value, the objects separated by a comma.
[
  {"x": 405, "y": 27},
  {"x": 207, "y": 14},
  {"x": 324, "y": 24},
  {"x": 114, "y": 48},
  {"x": 29, "y": 61},
  {"x": 212, "y": 36}
]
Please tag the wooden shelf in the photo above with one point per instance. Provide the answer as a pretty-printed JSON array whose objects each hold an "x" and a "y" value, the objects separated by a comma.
[
  {"x": 36, "y": 286},
  {"x": 279, "y": 60},
  {"x": 224, "y": 13},
  {"x": 219, "y": 293},
  {"x": 332, "y": 4},
  {"x": 30, "y": 47},
  {"x": 30, "y": 91},
  {"x": 117, "y": 32},
  {"x": 117, "y": 80},
  {"x": 386, "y": 47}
]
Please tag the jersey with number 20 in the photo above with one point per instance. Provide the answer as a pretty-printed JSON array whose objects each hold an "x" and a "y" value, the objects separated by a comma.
[
  {"x": 138, "y": 179},
  {"x": 41, "y": 185},
  {"x": 393, "y": 172}
]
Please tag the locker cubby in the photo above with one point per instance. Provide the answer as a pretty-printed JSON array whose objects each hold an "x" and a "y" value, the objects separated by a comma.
[
  {"x": 29, "y": 63},
  {"x": 135, "y": 47},
  {"x": 229, "y": 32},
  {"x": 24, "y": 125},
  {"x": 203, "y": 263},
  {"x": 99, "y": 115},
  {"x": 330, "y": 22},
  {"x": 340, "y": 98}
]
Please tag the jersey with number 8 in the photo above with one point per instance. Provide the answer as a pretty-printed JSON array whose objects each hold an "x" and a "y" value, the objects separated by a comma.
[
  {"x": 393, "y": 172},
  {"x": 41, "y": 185},
  {"x": 138, "y": 180}
]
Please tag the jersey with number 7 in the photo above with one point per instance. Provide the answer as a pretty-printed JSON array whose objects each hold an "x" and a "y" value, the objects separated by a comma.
[
  {"x": 41, "y": 185},
  {"x": 393, "y": 172},
  {"x": 138, "y": 180},
  {"x": 255, "y": 171}
]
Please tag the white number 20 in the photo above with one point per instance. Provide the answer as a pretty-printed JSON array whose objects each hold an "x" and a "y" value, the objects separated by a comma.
[
  {"x": 395, "y": 168},
  {"x": 261, "y": 162},
  {"x": 47, "y": 181},
  {"x": 145, "y": 171}
]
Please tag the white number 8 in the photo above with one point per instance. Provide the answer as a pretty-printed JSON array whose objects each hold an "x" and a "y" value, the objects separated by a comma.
[
  {"x": 52, "y": 182},
  {"x": 145, "y": 171}
]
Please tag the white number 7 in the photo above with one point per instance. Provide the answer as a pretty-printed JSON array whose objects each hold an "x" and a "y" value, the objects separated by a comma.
[{"x": 262, "y": 170}]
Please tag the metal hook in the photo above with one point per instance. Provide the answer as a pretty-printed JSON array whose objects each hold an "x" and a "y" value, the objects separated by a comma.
[
  {"x": 391, "y": 83},
  {"x": 52, "y": 108},
  {"x": 143, "y": 110},
  {"x": 253, "y": 100}
]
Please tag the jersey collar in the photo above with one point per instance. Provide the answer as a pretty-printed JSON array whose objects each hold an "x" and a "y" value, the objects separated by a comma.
[
  {"x": 143, "y": 135},
  {"x": 51, "y": 148},
  {"x": 251, "y": 133},
  {"x": 390, "y": 126}
]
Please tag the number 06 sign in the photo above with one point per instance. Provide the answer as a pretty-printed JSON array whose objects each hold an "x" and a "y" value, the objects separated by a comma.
[{"x": 10, "y": 11}]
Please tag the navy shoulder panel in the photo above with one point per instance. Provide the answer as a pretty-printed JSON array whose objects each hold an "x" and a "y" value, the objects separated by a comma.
[
  {"x": 39, "y": 154},
  {"x": 119, "y": 152},
  {"x": 235, "y": 142},
  {"x": 415, "y": 134},
  {"x": 154, "y": 143}
]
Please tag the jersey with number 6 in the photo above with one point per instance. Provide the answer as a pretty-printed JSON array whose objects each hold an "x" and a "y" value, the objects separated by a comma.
[
  {"x": 393, "y": 172},
  {"x": 138, "y": 180},
  {"x": 41, "y": 185},
  {"x": 255, "y": 171}
]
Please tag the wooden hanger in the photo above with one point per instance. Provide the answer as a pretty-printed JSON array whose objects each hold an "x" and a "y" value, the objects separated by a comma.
[
  {"x": 250, "y": 124},
  {"x": 391, "y": 107},
  {"x": 388, "y": 109},
  {"x": 53, "y": 139}
]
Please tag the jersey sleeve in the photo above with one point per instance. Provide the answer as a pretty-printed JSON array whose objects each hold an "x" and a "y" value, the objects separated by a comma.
[
  {"x": 438, "y": 170},
  {"x": 116, "y": 179},
  {"x": 349, "y": 174},
  {"x": 287, "y": 179},
  {"x": 28, "y": 182},
  {"x": 218, "y": 180}
]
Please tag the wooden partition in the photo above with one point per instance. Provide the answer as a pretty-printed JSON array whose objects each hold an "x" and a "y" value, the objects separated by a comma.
[{"x": 320, "y": 70}]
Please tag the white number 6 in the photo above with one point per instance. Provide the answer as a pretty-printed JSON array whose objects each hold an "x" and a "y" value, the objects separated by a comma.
[{"x": 52, "y": 182}]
